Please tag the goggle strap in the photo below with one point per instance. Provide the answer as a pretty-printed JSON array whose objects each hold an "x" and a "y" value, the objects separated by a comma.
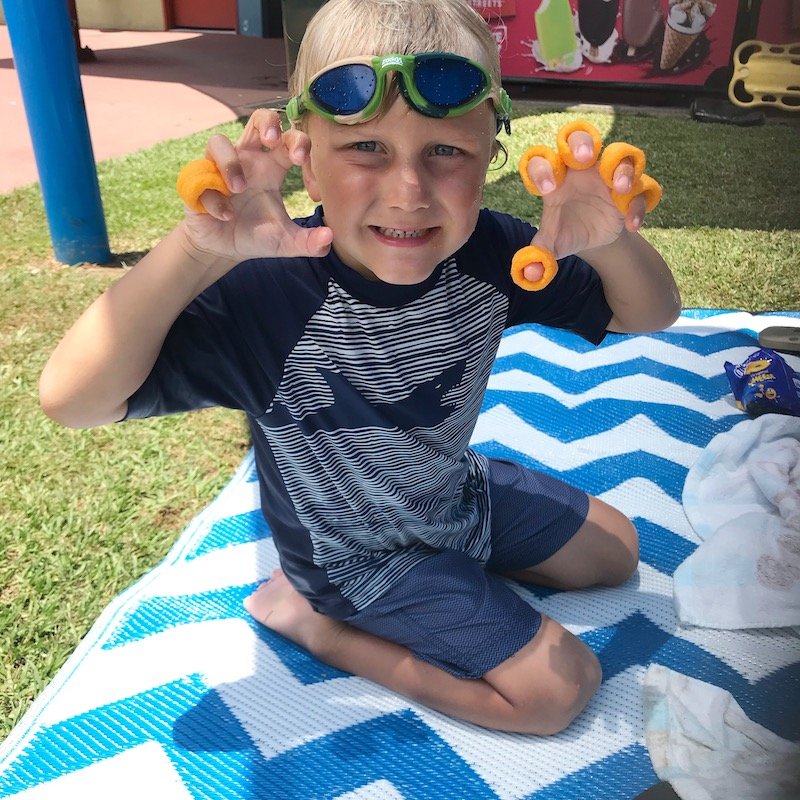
[
  {"x": 503, "y": 111},
  {"x": 293, "y": 109}
]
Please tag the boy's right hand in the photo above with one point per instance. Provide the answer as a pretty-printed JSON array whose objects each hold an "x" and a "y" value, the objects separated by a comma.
[{"x": 252, "y": 221}]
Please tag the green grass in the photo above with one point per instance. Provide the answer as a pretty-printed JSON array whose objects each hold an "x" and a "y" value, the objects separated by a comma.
[{"x": 86, "y": 513}]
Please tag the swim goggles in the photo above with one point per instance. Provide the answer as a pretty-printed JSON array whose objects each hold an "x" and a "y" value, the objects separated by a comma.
[{"x": 434, "y": 84}]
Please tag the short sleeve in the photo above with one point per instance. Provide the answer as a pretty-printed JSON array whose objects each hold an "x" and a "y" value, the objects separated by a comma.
[
  {"x": 201, "y": 363},
  {"x": 574, "y": 300}
]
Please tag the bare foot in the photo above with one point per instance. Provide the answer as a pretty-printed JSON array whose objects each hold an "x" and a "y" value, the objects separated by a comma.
[{"x": 279, "y": 606}]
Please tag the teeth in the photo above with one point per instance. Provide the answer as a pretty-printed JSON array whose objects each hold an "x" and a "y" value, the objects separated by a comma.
[{"x": 394, "y": 233}]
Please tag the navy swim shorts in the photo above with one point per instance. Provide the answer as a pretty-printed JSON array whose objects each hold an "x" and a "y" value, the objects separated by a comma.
[{"x": 457, "y": 613}]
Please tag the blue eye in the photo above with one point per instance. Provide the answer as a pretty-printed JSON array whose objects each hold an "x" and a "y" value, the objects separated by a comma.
[
  {"x": 444, "y": 150},
  {"x": 366, "y": 147}
]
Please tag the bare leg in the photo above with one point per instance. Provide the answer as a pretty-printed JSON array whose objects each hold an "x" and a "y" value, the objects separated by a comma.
[
  {"x": 604, "y": 552},
  {"x": 540, "y": 689}
]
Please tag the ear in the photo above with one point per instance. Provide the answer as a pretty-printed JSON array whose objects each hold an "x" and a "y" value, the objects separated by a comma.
[{"x": 310, "y": 180}]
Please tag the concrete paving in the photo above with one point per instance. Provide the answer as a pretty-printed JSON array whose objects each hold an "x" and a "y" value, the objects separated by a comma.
[{"x": 146, "y": 87}]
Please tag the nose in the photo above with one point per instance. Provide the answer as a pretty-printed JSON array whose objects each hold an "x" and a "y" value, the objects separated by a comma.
[{"x": 408, "y": 186}]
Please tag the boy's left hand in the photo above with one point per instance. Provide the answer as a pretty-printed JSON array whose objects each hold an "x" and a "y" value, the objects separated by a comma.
[{"x": 586, "y": 202}]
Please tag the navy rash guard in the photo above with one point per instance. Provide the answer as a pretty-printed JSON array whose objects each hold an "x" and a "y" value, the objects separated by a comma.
[{"x": 361, "y": 398}]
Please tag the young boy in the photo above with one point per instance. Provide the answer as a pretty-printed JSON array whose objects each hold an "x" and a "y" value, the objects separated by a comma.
[{"x": 359, "y": 342}]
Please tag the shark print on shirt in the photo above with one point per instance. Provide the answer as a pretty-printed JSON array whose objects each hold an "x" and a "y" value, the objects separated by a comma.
[{"x": 370, "y": 428}]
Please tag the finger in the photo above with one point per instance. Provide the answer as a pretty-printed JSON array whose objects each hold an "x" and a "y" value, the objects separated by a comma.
[
  {"x": 621, "y": 165},
  {"x": 541, "y": 170},
  {"x": 263, "y": 129},
  {"x": 579, "y": 144},
  {"x": 545, "y": 237},
  {"x": 635, "y": 214},
  {"x": 624, "y": 176},
  {"x": 317, "y": 240},
  {"x": 653, "y": 192},
  {"x": 222, "y": 152},
  {"x": 293, "y": 240},
  {"x": 298, "y": 146},
  {"x": 533, "y": 267},
  {"x": 194, "y": 181},
  {"x": 216, "y": 205},
  {"x": 649, "y": 189},
  {"x": 291, "y": 149},
  {"x": 297, "y": 241}
]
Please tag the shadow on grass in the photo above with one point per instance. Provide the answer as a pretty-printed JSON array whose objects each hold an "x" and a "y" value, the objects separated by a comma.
[
  {"x": 127, "y": 259},
  {"x": 714, "y": 175}
]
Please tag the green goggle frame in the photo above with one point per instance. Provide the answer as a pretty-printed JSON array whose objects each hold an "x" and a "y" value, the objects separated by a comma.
[{"x": 438, "y": 85}]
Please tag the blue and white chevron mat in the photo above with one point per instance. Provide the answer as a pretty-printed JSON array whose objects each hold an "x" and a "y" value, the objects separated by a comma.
[{"x": 175, "y": 694}]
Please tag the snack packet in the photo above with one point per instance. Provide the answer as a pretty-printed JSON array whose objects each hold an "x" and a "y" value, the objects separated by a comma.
[{"x": 764, "y": 383}]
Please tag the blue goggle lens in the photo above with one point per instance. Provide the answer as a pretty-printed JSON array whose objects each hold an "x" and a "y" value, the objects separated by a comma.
[
  {"x": 345, "y": 90},
  {"x": 447, "y": 83},
  {"x": 442, "y": 82}
]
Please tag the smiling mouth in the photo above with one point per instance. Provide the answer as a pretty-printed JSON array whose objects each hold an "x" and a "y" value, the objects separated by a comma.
[{"x": 400, "y": 233}]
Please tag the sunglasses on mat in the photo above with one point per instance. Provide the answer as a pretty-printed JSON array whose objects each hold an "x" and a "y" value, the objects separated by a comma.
[{"x": 435, "y": 84}]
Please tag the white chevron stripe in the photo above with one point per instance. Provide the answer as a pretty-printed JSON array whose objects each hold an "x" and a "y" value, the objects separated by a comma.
[
  {"x": 377, "y": 790},
  {"x": 502, "y": 425},
  {"x": 649, "y": 593},
  {"x": 252, "y": 680},
  {"x": 240, "y": 667},
  {"x": 236, "y": 498},
  {"x": 639, "y": 388},
  {"x": 221, "y": 650},
  {"x": 731, "y": 321},
  {"x": 640, "y": 497},
  {"x": 280, "y": 713},
  {"x": 235, "y": 565},
  {"x": 143, "y": 771},
  {"x": 627, "y": 349},
  {"x": 754, "y": 654}
]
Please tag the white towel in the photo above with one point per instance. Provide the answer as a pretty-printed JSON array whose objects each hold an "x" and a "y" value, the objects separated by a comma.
[
  {"x": 742, "y": 497},
  {"x": 703, "y": 744}
]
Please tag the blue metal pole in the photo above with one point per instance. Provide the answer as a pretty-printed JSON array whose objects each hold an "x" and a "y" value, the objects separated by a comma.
[{"x": 46, "y": 61}]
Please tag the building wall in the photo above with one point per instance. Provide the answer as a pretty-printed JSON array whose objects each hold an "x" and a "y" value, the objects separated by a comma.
[
  {"x": 779, "y": 21},
  {"x": 142, "y": 15}
]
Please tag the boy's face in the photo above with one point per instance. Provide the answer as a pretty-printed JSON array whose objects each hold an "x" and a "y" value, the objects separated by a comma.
[{"x": 402, "y": 191}]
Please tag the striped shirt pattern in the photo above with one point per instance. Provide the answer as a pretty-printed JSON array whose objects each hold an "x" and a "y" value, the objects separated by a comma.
[{"x": 370, "y": 428}]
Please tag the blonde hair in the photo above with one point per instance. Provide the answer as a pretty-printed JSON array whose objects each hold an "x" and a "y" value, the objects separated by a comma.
[{"x": 345, "y": 28}]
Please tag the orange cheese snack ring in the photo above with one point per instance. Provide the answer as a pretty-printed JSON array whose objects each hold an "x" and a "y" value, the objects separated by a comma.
[
  {"x": 612, "y": 157},
  {"x": 562, "y": 143},
  {"x": 195, "y": 178},
  {"x": 531, "y": 255},
  {"x": 646, "y": 185},
  {"x": 557, "y": 165}
]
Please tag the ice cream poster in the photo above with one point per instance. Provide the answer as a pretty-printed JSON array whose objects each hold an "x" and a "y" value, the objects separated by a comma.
[{"x": 622, "y": 41}]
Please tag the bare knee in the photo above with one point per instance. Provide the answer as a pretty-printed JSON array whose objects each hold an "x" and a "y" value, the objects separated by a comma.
[
  {"x": 549, "y": 682},
  {"x": 626, "y": 556},
  {"x": 562, "y": 705},
  {"x": 603, "y": 552},
  {"x": 611, "y": 545}
]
